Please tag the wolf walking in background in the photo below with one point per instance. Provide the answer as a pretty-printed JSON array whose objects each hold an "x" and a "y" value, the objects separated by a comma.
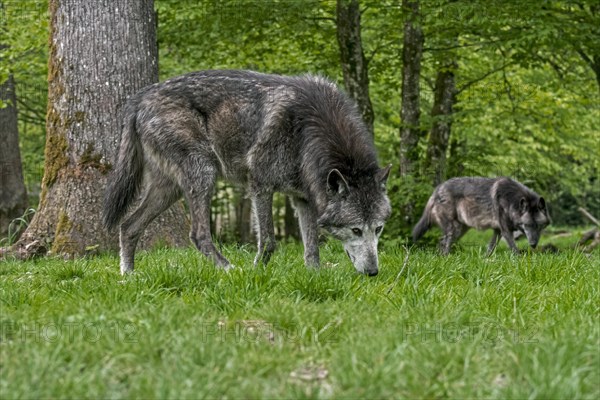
[
  {"x": 501, "y": 204},
  {"x": 296, "y": 135}
]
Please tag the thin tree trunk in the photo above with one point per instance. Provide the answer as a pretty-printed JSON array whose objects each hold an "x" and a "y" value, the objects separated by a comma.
[
  {"x": 441, "y": 111},
  {"x": 458, "y": 156},
  {"x": 101, "y": 53},
  {"x": 412, "y": 51},
  {"x": 243, "y": 219},
  {"x": 13, "y": 196},
  {"x": 354, "y": 64},
  {"x": 290, "y": 222},
  {"x": 410, "y": 113}
]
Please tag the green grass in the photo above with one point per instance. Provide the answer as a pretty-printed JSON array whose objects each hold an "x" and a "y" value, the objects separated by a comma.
[{"x": 461, "y": 326}]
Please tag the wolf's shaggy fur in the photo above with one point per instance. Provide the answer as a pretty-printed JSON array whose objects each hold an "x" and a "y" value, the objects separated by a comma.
[
  {"x": 501, "y": 204},
  {"x": 296, "y": 135}
]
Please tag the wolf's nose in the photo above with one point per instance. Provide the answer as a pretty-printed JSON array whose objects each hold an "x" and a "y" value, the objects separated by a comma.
[{"x": 373, "y": 272}]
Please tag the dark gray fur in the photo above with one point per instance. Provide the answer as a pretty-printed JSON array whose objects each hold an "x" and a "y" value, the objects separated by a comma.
[
  {"x": 501, "y": 204},
  {"x": 296, "y": 135}
]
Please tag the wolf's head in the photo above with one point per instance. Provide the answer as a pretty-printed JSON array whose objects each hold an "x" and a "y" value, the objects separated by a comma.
[
  {"x": 355, "y": 213},
  {"x": 533, "y": 218}
]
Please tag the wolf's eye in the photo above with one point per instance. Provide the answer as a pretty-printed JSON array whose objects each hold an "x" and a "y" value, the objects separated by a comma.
[
  {"x": 357, "y": 231},
  {"x": 378, "y": 229}
]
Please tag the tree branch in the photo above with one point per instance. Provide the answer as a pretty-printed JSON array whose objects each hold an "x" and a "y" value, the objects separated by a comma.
[
  {"x": 458, "y": 46},
  {"x": 320, "y": 19},
  {"x": 484, "y": 76},
  {"x": 35, "y": 114},
  {"x": 589, "y": 216}
]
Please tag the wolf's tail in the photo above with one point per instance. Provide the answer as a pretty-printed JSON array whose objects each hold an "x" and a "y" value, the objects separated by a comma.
[
  {"x": 125, "y": 180},
  {"x": 424, "y": 223}
]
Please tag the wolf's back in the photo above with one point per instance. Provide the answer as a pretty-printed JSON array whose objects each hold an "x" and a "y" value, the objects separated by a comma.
[{"x": 125, "y": 180}]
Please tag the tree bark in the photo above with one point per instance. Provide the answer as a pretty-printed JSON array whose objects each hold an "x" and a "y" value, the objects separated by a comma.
[
  {"x": 410, "y": 112},
  {"x": 101, "y": 52},
  {"x": 243, "y": 219},
  {"x": 441, "y": 111},
  {"x": 13, "y": 196},
  {"x": 412, "y": 51},
  {"x": 354, "y": 64},
  {"x": 290, "y": 222}
]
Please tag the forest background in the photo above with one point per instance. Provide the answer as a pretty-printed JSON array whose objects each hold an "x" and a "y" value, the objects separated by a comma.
[{"x": 503, "y": 88}]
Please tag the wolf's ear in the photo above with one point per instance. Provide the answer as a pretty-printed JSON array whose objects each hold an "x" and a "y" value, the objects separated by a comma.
[
  {"x": 542, "y": 204},
  {"x": 523, "y": 205},
  {"x": 336, "y": 183},
  {"x": 382, "y": 175}
]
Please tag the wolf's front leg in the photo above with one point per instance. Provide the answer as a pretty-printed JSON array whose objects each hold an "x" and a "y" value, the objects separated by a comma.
[
  {"x": 505, "y": 230},
  {"x": 508, "y": 236},
  {"x": 201, "y": 237},
  {"x": 493, "y": 242},
  {"x": 307, "y": 218},
  {"x": 263, "y": 212}
]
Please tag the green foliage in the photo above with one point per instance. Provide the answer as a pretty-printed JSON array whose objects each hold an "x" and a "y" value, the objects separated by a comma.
[
  {"x": 279, "y": 36},
  {"x": 461, "y": 326},
  {"x": 23, "y": 53},
  {"x": 408, "y": 196},
  {"x": 527, "y": 102},
  {"x": 527, "y": 125}
]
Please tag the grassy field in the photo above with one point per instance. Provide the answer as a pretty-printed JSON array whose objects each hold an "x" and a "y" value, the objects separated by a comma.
[{"x": 461, "y": 326}]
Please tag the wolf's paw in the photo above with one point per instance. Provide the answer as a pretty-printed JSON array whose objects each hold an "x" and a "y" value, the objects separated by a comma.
[
  {"x": 228, "y": 267},
  {"x": 126, "y": 269}
]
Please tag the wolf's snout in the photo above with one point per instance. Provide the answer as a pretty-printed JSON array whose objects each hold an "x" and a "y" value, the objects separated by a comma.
[
  {"x": 364, "y": 258},
  {"x": 533, "y": 240}
]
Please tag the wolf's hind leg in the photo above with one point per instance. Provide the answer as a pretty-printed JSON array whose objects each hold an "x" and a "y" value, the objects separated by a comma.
[
  {"x": 160, "y": 194},
  {"x": 452, "y": 232},
  {"x": 493, "y": 242},
  {"x": 263, "y": 212},
  {"x": 309, "y": 230},
  {"x": 198, "y": 191},
  {"x": 446, "y": 242}
]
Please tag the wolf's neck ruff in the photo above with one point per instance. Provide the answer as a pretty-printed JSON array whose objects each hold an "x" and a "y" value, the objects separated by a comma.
[{"x": 334, "y": 137}]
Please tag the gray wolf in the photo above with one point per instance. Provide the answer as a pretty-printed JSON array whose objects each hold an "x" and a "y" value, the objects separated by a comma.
[
  {"x": 501, "y": 204},
  {"x": 297, "y": 135}
]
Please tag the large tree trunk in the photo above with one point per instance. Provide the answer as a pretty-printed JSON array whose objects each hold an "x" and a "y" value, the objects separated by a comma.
[
  {"x": 444, "y": 99},
  {"x": 13, "y": 196},
  {"x": 412, "y": 51},
  {"x": 354, "y": 63},
  {"x": 101, "y": 52}
]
